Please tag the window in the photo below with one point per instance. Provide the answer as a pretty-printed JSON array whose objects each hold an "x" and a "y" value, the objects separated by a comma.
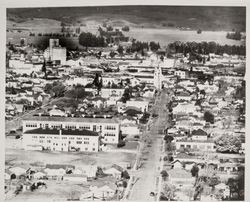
[
  {"x": 79, "y": 138},
  {"x": 94, "y": 127},
  {"x": 85, "y": 142},
  {"x": 93, "y": 149},
  {"x": 110, "y": 127},
  {"x": 209, "y": 147},
  {"x": 78, "y": 142},
  {"x": 48, "y": 141}
]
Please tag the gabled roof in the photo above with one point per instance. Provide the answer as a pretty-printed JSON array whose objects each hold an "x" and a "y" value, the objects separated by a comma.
[{"x": 199, "y": 132}]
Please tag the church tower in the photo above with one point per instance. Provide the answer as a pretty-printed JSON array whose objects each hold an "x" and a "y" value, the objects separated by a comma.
[{"x": 158, "y": 78}]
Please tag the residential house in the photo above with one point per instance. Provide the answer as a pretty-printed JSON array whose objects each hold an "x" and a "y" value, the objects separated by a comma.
[
  {"x": 199, "y": 135},
  {"x": 207, "y": 145},
  {"x": 114, "y": 170},
  {"x": 139, "y": 103}
]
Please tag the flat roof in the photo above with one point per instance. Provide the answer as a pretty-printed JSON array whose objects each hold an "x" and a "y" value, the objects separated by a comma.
[
  {"x": 70, "y": 119},
  {"x": 47, "y": 131}
]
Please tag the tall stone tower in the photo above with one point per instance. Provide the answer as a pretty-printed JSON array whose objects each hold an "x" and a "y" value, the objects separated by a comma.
[{"x": 158, "y": 78}]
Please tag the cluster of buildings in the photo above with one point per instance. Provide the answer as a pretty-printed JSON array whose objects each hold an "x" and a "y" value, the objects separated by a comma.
[{"x": 115, "y": 111}]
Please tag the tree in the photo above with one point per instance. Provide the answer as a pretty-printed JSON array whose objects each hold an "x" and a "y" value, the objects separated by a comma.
[
  {"x": 109, "y": 28},
  {"x": 98, "y": 82},
  {"x": 126, "y": 95},
  {"x": 120, "y": 50},
  {"x": 213, "y": 181},
  {"x": 48, "y": 88},
  {"x": 195, "y": 171},
  {"x": 164, "y": 174},
  {"x": 125, "y": 28},
  {"x": 22, "y": 42},
  {"x": 154, "y": 46},
  {"x": 125, "y": 175},
  {"x": 168, "y": 138},
  {"x": 209, "y": 117},
  {"x": 228, "y": 144}
]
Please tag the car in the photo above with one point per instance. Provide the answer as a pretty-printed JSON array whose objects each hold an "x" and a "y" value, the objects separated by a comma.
[{"x": 152, "y": 193}]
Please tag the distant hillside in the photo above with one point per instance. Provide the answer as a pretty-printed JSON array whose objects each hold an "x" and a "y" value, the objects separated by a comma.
[{"x": 206, "y": 18}]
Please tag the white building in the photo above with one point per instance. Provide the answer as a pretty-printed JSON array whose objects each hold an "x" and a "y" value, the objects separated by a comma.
[
  {"x": 61, "y": 140},
  {"x": 109, "y": 128},
  {"x": 196, "y": 145},
  {"x": 55, "y": 52},
  {"x": 107, "y": 92},
  {"x": 158, "y": 78},
  {"x": 141, "y": 104}
]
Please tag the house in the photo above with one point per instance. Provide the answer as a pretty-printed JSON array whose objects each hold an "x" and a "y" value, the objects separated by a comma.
[
  {"x": 176, "y": 164},
  {"x": 75, "y": 177},
  {"x": 55, "y": 173},
  {"x": 199, "y": 135},
  {"x": 55, "y": 111},
  {"x": 139, "y": 103},
  {"x": 207, "y": 145},
  {"x": 114, "y": 170},
  {"x": 183, "y": 74},
  {"x": 18, "y": 171},
  {"x": 130, "y": 129},
  {"x": 107, "y": 92},
  {"x": 39, "y": 175},
  {"x": 104, "y": 192}
]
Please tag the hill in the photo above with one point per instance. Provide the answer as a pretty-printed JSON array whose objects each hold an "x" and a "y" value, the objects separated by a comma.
[{"x": 194, "y": 17}]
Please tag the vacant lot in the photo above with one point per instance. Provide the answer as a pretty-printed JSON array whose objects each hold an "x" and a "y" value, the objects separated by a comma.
[
  {"x": 63, "y": 190},
  {"x": 15, "y": 155}
]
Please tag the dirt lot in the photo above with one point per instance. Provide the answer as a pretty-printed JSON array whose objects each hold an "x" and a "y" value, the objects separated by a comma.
[
  {"x": 15, "y": 155},
  {"x": 62, "y": 190}
]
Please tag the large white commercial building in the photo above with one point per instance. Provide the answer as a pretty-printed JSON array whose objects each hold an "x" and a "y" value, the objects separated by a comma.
[
  {"x": 55, "y": 52},
  {"x": 109, "y": 129},
  {"x": 61, "y": 140}
]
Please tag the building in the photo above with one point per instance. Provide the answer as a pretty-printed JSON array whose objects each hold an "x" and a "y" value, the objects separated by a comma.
[
  {"x": 62, "y": 140},
  {"x": 55, "y": 52},
  {"x": 158, "y": 78},
  {"x": 107, "y": 92},
  {"x": 108, "y": 128},
  {"x": 196, "y": 145},
  {"x": 139, "y": 103}
]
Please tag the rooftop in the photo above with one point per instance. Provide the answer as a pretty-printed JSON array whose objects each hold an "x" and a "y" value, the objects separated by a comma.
[
  {"x": 53, "y": 131},
  {"x": 70, "y": 119}
]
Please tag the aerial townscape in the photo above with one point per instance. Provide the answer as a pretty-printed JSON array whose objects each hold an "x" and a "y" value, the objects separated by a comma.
[{"x": 125, "y": 103}]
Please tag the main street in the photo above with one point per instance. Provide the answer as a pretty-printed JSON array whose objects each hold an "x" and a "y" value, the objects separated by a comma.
[{"x": 149, "y": 172}]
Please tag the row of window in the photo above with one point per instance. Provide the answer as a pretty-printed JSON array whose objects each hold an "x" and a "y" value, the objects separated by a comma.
[
  {"x": 110, "y": 128},
  {"x": 64, "y": 138},
  {"x": 31, "y": 125},
  {"x": 109, "y": 134},
  {"x": 196, "y": 146}
]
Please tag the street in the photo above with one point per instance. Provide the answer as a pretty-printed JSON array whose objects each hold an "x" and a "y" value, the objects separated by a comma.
[{"x": 150, "y": 170}]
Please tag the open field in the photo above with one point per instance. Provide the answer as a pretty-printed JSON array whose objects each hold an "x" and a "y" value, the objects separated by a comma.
[{"x": 17, "y": 156}]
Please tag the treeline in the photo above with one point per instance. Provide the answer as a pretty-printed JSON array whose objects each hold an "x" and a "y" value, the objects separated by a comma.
[
  {"x": 205, "y": 48},
  {"x": 138, "y": 46},
  {"x": 234, "y": 35},
  {"x": 90, "y": 40}
]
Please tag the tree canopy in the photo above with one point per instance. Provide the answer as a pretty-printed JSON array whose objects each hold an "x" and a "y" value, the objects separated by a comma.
[
  {"x": 90, "y": 40},
  {"x": 228, "y": 144},
  {"x": 209, "y": 117}
]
